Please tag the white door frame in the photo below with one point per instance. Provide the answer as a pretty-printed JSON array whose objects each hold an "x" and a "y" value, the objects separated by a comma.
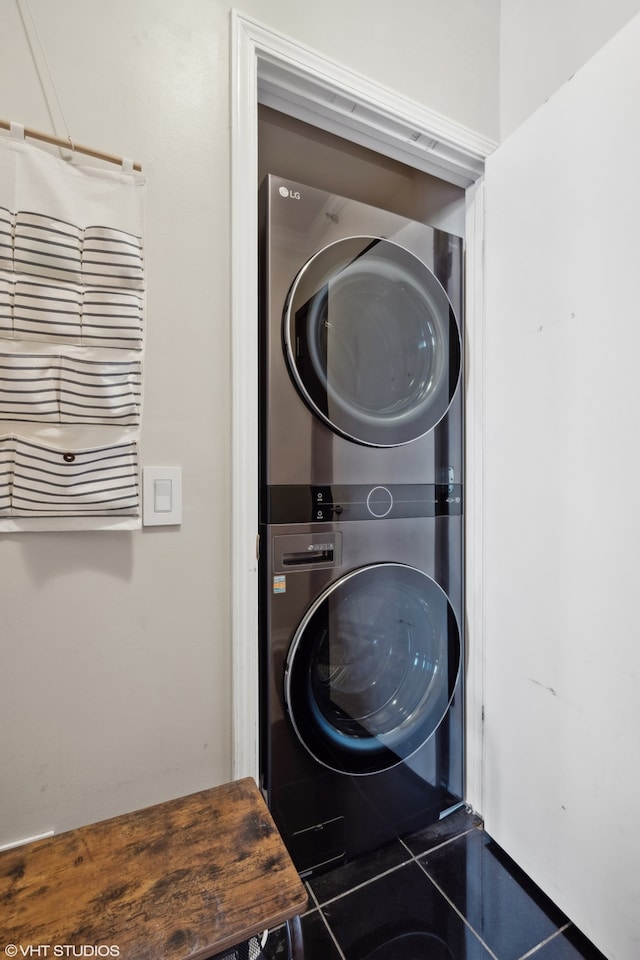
[{"x": 272, "y": 69}]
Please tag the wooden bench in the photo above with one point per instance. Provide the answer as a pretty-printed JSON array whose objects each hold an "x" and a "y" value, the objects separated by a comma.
[{"x": 189, "y": 878}]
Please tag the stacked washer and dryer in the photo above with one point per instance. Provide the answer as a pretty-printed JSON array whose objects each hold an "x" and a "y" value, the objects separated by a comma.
[{"x": 361, "y": 522}]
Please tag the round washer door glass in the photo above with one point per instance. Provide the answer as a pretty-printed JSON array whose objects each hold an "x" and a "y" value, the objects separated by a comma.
[
  {"x": 372, "y": 341},
  {"x": 372, "y": 668}
]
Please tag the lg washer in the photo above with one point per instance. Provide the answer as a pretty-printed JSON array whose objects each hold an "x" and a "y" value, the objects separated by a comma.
[
  {"x": 363, "y": 671},
  {"x": 361, "y": 344}
]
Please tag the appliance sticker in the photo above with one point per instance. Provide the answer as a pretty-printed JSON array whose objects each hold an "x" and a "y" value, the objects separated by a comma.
[{"x": 280, "y": 584}]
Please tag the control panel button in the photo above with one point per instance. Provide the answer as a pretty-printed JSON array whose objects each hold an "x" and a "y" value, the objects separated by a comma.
[{"x": 379, "y": 502}]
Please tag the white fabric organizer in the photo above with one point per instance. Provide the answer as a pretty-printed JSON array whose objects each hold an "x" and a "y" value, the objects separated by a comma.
[{"x": 72, "y": 304}]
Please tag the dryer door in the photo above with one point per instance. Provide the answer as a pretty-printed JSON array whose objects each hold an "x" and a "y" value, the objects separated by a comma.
[
  {"x": 372, "y": 341},
  {"x": 372, "y": 668}
]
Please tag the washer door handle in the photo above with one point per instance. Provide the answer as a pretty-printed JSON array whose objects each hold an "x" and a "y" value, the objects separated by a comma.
[{"x": 322, "y": 554}]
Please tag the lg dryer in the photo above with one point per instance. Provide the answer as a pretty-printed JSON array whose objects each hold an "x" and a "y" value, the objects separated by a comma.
[{"x": 361, "y": 346}]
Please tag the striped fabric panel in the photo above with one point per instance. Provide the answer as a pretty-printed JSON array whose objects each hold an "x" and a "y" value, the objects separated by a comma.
[
  {"x": 41, "y": 389},
  {"x": 47, "y": 312},
  {"x": 7, "y": 462},
  {"x": 47, "y": 247},
  {"x": 112, "y": 258},
  {"x": 6, "y": 239},
  {"x": 112, "y": 318},
  {"x": 64, "y": 314},
  {"x": 6, "y": 308},
  {"x": 86, "y": 483},
  {"x": 103, "y": 309},
  {"x": 100, "y": 392},
  {"x": 29, "y": 388}
]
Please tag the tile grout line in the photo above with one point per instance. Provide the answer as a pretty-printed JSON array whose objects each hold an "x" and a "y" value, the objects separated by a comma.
[
  {"x": 543, "y": 943},
  {"x": 331, "y": 934},
  {"x": 322, "y": 903},
  {"x": 359, "y": 886},
  {"x": 460, "y": 914},
  {"x": 313, "y": 897},
  {"x": 417, "y": 860},
  {"x": 411, "y": 858},
  {"x": 418, "y": 857},
  {"x": 439, "y": 846},
  {"x": 324, "y": 919}
]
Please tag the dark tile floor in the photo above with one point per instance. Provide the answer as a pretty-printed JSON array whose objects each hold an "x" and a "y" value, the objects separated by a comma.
[{"x": 445, "y": 893}]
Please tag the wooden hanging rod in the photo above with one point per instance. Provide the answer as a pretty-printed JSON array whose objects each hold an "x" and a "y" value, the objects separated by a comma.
[{"x": 70, "y": 145}]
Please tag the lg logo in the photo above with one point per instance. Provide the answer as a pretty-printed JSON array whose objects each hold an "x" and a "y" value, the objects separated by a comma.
[{"x": 291, "y": 194}]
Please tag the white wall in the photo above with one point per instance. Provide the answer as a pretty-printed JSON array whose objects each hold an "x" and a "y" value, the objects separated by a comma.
[
  {"x": 443, "y": 55},
  {"x": 562, "y": 519},
  {"x": 114, "y": 688},
  {"x": 544, "y": 42},
  {"x": 115, "y": 677}
]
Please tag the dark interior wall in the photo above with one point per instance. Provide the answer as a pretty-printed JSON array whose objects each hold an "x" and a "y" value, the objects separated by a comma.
[{"x": 298, "y": 151}]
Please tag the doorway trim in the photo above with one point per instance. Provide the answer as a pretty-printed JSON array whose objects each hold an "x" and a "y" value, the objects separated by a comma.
[{"x": 269, "y": 68}]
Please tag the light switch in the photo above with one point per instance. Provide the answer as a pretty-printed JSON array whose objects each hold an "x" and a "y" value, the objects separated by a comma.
[{"x": 161, "y": 495}]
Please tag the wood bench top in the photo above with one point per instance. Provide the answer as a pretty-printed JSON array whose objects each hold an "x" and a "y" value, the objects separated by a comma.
[{"x": 183, "y": 879}]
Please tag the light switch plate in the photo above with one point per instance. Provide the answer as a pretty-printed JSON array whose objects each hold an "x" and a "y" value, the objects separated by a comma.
[{"x": 161, "y": 496}]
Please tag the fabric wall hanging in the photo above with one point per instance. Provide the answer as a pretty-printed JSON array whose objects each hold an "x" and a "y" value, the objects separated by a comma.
[{"x": 72, "y": 333}]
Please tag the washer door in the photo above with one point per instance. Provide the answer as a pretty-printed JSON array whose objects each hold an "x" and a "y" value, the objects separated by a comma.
[
  {"x": 372, "y": 668},
  {"x": 372, "y": 341}
]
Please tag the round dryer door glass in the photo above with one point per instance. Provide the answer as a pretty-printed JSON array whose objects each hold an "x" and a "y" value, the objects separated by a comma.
[
  {"x": 372, "y": 668},
  {"x": 372, "y": 341}
]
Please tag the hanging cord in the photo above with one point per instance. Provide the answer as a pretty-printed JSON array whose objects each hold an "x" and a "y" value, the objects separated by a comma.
[
  {"x": 24, "y": 5},
  {"x": 68, "y": 143}
]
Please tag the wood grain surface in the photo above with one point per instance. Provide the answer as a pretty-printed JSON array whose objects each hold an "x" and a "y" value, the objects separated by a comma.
[{"x": 182, "y": 879}]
